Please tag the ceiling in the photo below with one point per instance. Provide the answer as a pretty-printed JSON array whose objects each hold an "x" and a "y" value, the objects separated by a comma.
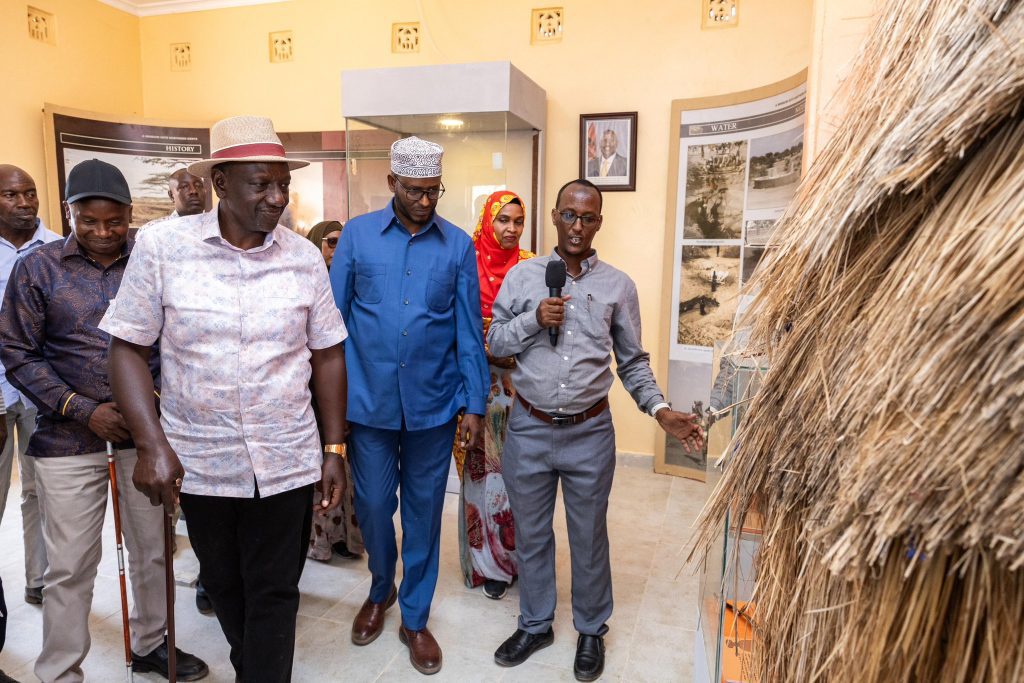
[{"x": 146, "y": 8}]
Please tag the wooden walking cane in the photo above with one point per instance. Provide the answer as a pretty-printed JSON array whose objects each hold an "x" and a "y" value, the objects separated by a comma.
[
  {"x": 120, "y": 562},
  {"x": 172, "y": 655}
]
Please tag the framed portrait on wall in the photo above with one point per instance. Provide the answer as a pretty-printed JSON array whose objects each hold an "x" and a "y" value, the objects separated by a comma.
[{"x": 608, "y": 150}]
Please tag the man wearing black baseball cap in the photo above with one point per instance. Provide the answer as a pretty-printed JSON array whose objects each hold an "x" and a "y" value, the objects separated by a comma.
[{"x": 55, "y": 353}]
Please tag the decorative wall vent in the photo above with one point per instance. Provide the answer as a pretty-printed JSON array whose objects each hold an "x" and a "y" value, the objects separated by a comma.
[
  {"x": 405, "y": 37},
  {"x": 42, "y": 26},
  {"x": 546, "y": 25},
  {"x": 281, "y": 46},
  {"x": 181, "y": 56},
  {"x": 720, "y": 13}
]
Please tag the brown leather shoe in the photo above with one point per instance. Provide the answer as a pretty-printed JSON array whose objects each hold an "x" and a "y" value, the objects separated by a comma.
[
  {"x": 369, "y": 622},
  {"x": 424, "y": 652}
]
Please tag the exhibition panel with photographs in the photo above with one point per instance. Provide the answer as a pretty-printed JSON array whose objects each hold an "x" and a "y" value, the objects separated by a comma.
[{"x": 736, "y": 164}]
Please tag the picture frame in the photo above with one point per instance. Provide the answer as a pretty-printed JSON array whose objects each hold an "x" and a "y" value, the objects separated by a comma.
[{"x": 608, "y": 150}]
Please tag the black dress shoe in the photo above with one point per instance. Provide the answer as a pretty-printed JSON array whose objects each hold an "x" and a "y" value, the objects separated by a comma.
[
  {"x": 589, "y": 664},
  {"x": 203, "y": 603},
  {"x": 189, "y": 667},
  {"x": 520, "y": 645},
  {"x": 34, "y": 596}
]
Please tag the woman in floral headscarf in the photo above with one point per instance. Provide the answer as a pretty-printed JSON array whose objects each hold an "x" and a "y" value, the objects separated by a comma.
[
  {"x": 486, "y": 528},
  {"x": 338, "y": 531}
]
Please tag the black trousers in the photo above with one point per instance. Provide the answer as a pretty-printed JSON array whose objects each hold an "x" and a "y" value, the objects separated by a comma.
[
  {"x": 251, "y": 553},
  {"x": 3, "y": 618}
]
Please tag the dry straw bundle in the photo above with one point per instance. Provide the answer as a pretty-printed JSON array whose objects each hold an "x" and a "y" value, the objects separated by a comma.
[{"x": 885, "y": 449}]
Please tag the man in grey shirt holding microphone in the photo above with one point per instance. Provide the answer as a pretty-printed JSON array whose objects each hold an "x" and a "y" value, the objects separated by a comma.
[{"x": 561, "y": 428}]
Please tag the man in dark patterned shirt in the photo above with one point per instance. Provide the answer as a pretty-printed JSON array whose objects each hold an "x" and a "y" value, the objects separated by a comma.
[{"x": 56, "y": 355}]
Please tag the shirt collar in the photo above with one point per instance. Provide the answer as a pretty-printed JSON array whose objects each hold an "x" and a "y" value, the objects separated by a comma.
[
  {"x": 586, "y": 265},
  {"x": 389, "y": 218},
  {"x": 71, "y": 248},
  {"x": 35, "y": 240},
  {"x": 209, "y": 231}
]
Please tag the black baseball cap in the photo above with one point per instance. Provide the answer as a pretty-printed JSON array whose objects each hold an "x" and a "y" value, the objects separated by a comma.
[{"x": 95, "y": 178}]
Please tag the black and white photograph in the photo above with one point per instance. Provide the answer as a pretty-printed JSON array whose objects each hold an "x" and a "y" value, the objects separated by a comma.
[
  {"x": 608, "y": 150},
  {"x": 775, "y": 165},
  {"x": 689, "y": 384},
  {"x": 714, "y": 191},
  {"x": 709, "y": 285},
  {"x": 757, "y": 232},
  {"x": 751, "y": 257}
]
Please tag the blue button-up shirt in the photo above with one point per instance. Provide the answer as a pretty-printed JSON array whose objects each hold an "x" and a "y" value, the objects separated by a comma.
[
  {"x": 8, "y": 255},
  {"x": 412, "y": 306}
]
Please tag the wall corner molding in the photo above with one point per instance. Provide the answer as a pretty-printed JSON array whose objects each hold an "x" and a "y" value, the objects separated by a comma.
[{"x": 149, "y": 8}]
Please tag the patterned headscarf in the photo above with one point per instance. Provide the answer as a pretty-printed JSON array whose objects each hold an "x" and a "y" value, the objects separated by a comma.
[{"x": 493, "y": 262}]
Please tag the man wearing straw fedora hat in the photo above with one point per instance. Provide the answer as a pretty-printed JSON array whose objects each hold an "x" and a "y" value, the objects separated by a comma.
[
  {"x": 57, "y": 356},
  {"x": 243, "y": 311},
  {"x": 405, "y": 279}
]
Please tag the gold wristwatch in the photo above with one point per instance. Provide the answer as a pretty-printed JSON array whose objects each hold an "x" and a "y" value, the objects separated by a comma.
[{"x": 337, "y": 448}]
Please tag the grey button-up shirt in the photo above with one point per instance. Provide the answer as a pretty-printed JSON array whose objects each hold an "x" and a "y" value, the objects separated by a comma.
[{"x": 603, "y": 317}]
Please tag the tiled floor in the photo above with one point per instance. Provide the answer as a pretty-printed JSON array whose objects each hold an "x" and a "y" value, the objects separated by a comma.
[{"x": 650, "y": 638}]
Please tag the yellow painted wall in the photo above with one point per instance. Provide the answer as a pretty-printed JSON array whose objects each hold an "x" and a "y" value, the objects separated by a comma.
[
  {"x": 840, "y": 27},
  {"x": 615, "y": 56},
  {"x": 95, "y": 65}
]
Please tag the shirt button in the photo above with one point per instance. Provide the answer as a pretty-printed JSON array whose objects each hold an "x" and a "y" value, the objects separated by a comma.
[
  {"x": 565, "y": 357},
  {"x": 408, "y": 272},
  {"x": 402, "y": 365},
  {"x": 405, "y": 333},
  {"x": 568, "y": 332},
  {"x": 561, "y": 410},
  {"x": 406, "y": 302},
  {"x": 572, "y": 307},
  {"x": 491, "y": 279},
  {"x": 562, "y": 385}
]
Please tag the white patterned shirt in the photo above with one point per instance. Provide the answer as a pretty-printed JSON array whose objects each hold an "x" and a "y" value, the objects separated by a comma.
[
  {"x": 235, "y": 329},
  {"x": 160, "y": 221}
]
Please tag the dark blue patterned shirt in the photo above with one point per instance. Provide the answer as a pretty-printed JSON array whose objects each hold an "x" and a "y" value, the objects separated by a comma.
[{"x": 51, "y": 346}]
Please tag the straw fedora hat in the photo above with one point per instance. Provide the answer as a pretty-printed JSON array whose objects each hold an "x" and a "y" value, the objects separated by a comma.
[{"x": 243, "y": 139}]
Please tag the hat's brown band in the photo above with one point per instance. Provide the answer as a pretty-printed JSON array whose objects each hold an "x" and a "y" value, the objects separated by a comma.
[{"x": 256, "y": 149}]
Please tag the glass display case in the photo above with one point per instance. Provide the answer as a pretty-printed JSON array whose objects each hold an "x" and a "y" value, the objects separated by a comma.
[
  {"x": 488, "y": 117},
  {"x": 724, "y": 632}
]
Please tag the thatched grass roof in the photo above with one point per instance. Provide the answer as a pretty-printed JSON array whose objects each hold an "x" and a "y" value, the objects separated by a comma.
[{"x": 885, "y": 448}]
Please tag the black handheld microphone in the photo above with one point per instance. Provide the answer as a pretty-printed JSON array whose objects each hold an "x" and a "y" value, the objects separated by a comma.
[{"x": 554, "y": 276}]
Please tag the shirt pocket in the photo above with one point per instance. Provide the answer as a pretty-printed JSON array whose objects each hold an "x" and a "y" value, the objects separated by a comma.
[
  {"x": 369, "y": 282},
  {"x": 597, "y": 323},
  {"x": 440, "y": 290}
]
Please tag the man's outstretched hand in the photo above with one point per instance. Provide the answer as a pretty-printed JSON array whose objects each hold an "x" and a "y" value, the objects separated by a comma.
[{"x": 684, "y": 427}]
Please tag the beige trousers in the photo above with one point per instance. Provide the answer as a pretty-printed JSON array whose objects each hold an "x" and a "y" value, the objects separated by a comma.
[
  {"x": 21, "y": 419},
  {"x": 73, "y": 491}
]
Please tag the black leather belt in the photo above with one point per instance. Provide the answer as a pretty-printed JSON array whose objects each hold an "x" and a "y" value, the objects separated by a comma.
[{"x": 565, "y": 420}]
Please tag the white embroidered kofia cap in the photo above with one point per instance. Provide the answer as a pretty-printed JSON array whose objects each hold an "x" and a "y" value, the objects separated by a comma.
[
  {"x": 242, "y": 139},
  {"x": 415, "y": 158}
]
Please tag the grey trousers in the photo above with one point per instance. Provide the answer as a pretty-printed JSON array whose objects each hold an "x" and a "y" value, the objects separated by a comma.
[
  {"x": 21, "y": 420},
  {"x": 74, "y": 492},
  {"x": 536, "y": 456}
]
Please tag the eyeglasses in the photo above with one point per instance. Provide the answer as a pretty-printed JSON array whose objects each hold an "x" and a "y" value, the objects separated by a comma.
[
  {"x": 570, "y": 217},
  {"x": 415, "y": 195},
  {"x": 332, "y": 242}
]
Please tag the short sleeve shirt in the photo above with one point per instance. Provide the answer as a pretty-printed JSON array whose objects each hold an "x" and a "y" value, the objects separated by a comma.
[{"x": 236, "y": 328}]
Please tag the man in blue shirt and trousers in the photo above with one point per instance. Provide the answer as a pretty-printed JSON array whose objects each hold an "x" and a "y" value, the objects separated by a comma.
[{"x": 405, "y": 281}]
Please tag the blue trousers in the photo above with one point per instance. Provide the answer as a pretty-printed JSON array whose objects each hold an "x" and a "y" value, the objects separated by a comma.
[{"x": 418, "y": 461}]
